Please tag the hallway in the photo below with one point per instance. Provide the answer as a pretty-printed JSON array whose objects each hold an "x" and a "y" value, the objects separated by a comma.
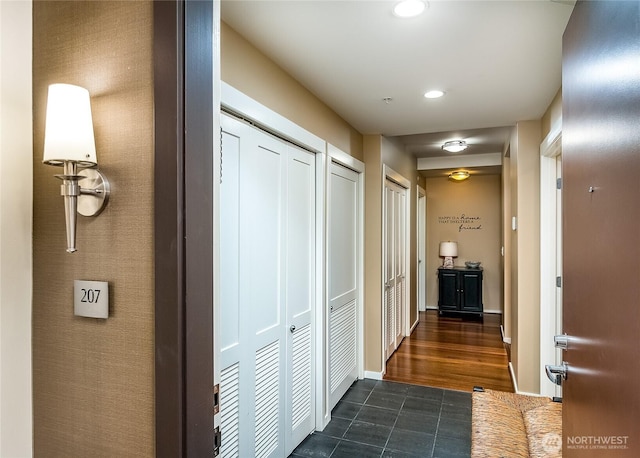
[{"x": 452, "y": 353}]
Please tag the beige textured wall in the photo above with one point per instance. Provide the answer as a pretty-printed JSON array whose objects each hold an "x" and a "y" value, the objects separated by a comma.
[
  {"x": 525, "y": 255},
  {"x": 245, "y": 68},
  {"x": 373, "y": 253},
  {"x": 479, "y": 196},
  {"x": 94, "y": 379}
]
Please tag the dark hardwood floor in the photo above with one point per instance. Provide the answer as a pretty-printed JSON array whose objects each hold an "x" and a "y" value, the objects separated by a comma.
[{"x": 453, "y": 353}]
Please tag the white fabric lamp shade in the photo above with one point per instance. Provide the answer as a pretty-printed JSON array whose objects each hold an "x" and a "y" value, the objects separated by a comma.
[
  {"x": 68, "y": 132},
  {"x": 449, "y": 249}
]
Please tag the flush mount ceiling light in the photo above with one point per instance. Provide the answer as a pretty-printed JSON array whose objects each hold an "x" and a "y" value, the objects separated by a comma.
[
  {"x": 454, "y": 146},
  {"x": 409, "y": 8},
  {"x": 459, "y": 175},
  {"x": 434, "y": 94}
]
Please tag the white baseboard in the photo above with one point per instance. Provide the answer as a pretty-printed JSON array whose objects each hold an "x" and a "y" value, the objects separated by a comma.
[
  {"x": 495, "y": 311},
  {"x": 414, "y": 326},
  {"x": 513, "y": 377},
  {"x": 373, "y": 375},
  {"x": 432, "y": 307},
  {"x": 506, "y": 340}
]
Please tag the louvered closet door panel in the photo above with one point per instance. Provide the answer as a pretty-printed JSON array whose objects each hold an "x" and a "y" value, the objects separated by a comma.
[
  {"x": 342, "y": 277},
  {"x": 262, "y": 191},
  {"x": 252, "y": 327},
  {"x": 230, "y": 410},
  {"x": 400, "y": 263},
  {"x": 300, "y": 293},
  {"x": 389, "y": 269},
  {"x": 235, "y": 135}
]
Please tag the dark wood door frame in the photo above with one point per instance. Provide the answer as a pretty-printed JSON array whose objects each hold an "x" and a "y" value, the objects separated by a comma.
[{"x": 183, "y": 203}]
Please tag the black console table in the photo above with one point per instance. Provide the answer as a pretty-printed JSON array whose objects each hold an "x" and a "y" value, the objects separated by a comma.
[{"x": 460, "y": 290}]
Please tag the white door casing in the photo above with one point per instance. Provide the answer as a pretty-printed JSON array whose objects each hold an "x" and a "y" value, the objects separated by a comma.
[
  {"x": 422, "y": 255},
  {"x": 550, "y": 254}
]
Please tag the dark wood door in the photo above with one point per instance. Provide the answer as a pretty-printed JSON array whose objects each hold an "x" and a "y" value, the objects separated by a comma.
[{"x": 601, "y": 169}]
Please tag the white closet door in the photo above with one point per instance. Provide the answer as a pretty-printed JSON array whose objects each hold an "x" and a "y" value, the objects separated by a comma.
[
  {"x": 389, "y": 265},
  {"x": 300, "y": 293},
  {"x": 267, "y": 286},
  {"x": 252, "y": 333},
  {"x": 394, "y": 264},
  {"x": 400, "y": 264},
  {"x": 342, "y": 278}
]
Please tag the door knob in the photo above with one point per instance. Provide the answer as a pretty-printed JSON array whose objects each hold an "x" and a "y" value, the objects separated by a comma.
[
  {"x": 292, "y": 328},
  {"x": 561, "y": 341},
  {"x": 556, "y": 373}
]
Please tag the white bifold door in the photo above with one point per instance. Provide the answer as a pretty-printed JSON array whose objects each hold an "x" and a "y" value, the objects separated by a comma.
[
  {"x": 267, "y": 287},
  {"x": 394, "y": 265},
  {"x": 343, "y": 281}
]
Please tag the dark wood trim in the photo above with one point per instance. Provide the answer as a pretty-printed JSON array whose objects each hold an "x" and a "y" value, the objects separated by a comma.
[
  {"x": 183, "y": 233},
  {"x": 199, "y": 226}
]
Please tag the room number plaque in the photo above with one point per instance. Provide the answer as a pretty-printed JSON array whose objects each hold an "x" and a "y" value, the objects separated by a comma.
[{"x": 91, "y": 298}]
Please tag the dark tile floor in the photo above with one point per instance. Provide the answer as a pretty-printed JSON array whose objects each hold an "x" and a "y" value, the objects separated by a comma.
[{"x": 389, "y": 419}]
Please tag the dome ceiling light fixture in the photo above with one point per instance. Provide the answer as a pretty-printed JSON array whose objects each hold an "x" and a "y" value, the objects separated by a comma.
[
  {"x": 459, "y": 175},
  {"x": 409, "y": 8},
  {"x": 434, "y": 94},
  {"x": 455, "y": 146}
]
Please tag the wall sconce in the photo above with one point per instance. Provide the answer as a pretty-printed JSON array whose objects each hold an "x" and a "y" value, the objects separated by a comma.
[
  {"x": 448, "y": 250},
  {"x": 459, "y": 175},
  {"x": 69, "y": 143}
]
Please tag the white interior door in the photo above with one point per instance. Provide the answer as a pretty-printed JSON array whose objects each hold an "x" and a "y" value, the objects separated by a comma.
[
  {"x": 266, "y": 285},
  {"x": 343, "y": 281},
  {"x": 394, "y": 263}
]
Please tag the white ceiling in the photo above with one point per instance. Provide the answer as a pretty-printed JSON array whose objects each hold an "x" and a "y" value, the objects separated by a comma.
[{"x": 499, "y": 62}]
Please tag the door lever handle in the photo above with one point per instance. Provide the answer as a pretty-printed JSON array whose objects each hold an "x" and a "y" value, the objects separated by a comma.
[
  {"x": 556, "y": 373},
  {"x": 561, "y": 341}
]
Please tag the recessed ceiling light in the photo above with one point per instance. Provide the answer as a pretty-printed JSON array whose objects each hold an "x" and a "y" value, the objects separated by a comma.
[
  {"x": 434, "y": 94},
  {"x": 409, "y": 8},
  {"x": 454, "y": 146}
]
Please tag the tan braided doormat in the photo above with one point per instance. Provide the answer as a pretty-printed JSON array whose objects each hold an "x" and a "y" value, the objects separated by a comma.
[{"x": 515, "y": 425}]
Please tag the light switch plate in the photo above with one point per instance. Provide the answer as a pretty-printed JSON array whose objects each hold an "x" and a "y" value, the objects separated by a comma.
[{"x": 91, "y": 298}]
